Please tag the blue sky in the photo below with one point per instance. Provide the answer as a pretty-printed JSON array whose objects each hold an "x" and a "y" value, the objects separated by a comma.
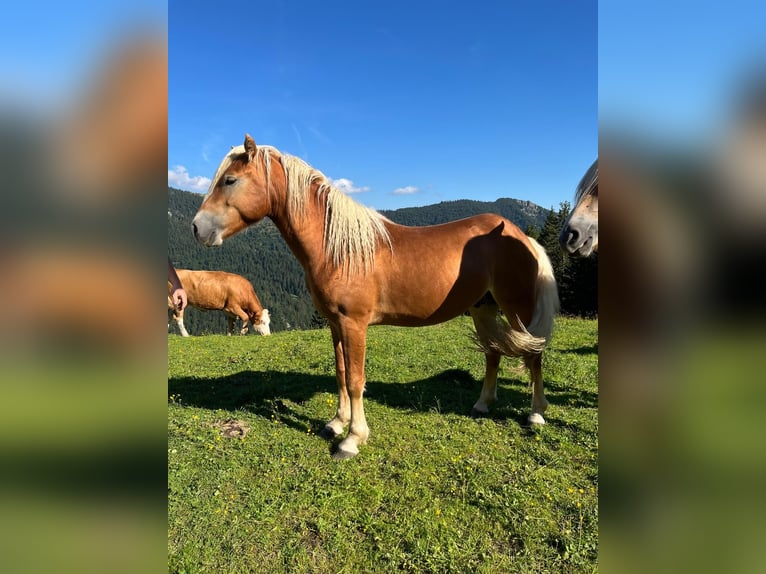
[
  {"x": 670, "y": 71},
  {"x": 401, "y": 103},
  {"x": 452, "y": 100},
  {"x": 50, "y": 51}
]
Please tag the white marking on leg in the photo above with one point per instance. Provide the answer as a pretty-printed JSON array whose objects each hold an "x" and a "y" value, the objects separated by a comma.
[
  {"x": 334, "y": 428},
  {"x": 536, "y": 419}
]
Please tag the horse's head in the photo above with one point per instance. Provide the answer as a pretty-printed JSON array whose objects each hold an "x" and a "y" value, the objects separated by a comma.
[
  {"x": 261, "y": 324},
  {"x": 238, "y": 195},
  {"x": 579, "y": 235}
]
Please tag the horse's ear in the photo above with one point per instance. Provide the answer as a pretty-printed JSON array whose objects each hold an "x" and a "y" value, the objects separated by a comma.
[{"x": 250, "y": 147}]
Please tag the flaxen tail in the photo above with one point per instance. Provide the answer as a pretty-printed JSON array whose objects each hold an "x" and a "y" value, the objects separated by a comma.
[
  {"x": 546, "y": 296},
  {"x": 533, "y": 339},
  {"x": 514, "y": 338}
]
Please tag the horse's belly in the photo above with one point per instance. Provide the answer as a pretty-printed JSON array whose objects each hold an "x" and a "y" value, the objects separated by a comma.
[
  {"x": 428, "y": 306},
  {"x": 404, "y": 320}
]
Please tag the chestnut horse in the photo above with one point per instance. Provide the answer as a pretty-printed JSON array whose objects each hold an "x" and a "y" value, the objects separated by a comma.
[
  {"x": 221, "y": 291},
  {"x": 579, "y": 235},
  {"x": 362, "y": 269}
]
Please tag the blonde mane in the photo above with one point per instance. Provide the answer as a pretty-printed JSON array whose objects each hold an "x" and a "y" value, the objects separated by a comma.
[
  {"x": 351, "y": 232},
  {"x": 588, "y": 184}
]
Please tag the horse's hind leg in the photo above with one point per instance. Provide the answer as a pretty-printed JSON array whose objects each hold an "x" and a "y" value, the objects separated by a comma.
[
  {"x": 518, "y": 303},
  {"x": 539, "y": 403},
  {"x": 485, "y": 320},
  {"x": 489, "y": 390}
]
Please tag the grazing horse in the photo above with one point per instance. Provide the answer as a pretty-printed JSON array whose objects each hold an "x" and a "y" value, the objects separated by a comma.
[
  {"x": 579, "y": 235},
  {"x": 362, "y": 269},
  {"x": 221, "y": 291}
]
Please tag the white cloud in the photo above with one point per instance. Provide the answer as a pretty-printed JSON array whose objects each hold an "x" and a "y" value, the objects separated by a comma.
[
  {"x": 179, "y": 177},
  {"x": 347, "y": 186},
  {"x": 409, "y": 190}
]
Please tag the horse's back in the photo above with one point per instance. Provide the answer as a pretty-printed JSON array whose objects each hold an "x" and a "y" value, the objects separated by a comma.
[
  {"x": 481, "y": 240},
  {"x": 433, "y": 273},
  {"x": 205, "y": 289}
]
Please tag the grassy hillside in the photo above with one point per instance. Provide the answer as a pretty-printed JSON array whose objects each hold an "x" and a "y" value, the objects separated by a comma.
[
  {"x": 258, "y": 253},
  {"x": 433, "y": 490}
]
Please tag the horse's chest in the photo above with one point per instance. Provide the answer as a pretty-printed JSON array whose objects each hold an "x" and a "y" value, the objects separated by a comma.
[{"x": 339, "y": 295}]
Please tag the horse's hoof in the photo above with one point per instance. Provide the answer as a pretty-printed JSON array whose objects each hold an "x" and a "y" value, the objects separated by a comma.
[
  {"x": 344, "y": 453},
  {"x": 477, "y": 414},
  {"x": 536, "y": 419}
]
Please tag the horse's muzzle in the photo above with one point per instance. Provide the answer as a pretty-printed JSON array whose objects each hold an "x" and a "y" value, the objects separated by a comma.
[
  {"x": 576, "y": 241},
  {"x": 205, "y": 231}
]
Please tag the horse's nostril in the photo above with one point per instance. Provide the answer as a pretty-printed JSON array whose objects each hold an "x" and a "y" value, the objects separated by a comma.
[
  {"x": 194, "y": 227},
  {"x": 567, "y": 237},
  {"x": 574, "y": 236}
]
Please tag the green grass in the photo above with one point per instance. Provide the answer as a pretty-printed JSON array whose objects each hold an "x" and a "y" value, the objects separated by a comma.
[{"x": 433, "y": 490}]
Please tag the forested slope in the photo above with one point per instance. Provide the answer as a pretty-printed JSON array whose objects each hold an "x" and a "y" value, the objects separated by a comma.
[{"x": 261, "y": 255}]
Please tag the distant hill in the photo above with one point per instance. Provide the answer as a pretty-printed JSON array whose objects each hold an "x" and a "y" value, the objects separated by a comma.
[
  {"x": 260, "y": 254},
  {"x": 522, "y": 213}
]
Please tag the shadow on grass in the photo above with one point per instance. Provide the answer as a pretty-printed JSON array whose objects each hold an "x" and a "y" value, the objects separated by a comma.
[
  {"x": 270, "y": 393},
  {"x": 265, "y": 392},
  {"x": 586, "y": 350},
  {"x": 563, "y": 394}
]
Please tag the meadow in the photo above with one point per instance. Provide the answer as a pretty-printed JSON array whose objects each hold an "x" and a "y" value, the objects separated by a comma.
[{"x": 252, "y": 488}]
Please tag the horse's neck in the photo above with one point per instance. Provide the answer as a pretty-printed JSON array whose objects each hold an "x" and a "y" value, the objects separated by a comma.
[{"x": 303, "y": 234}]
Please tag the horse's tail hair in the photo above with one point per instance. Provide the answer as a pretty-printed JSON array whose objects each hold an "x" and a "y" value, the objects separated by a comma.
[
  {"x": 514, "y": 339},
  {"x": 546, "y": 296},
  {"x": 510, "y": 341}
]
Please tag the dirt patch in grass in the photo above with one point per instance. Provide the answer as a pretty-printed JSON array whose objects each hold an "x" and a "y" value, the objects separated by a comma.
[{"x": 232, "y": 428}]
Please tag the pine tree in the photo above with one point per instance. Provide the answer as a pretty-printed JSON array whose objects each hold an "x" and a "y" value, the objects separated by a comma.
[
  {"x": 532, "y": 231},
  {"x": 549, "y": 239}
]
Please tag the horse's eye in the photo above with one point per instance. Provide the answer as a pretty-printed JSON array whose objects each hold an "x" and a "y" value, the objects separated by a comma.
[{"x": 229, "y": 180}]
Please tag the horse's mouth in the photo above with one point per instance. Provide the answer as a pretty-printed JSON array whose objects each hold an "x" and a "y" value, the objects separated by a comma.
[
  {"x": 585, "y": 249},
  {"x": 210, "y": 239},
  {"x": 578, "y": 240}
]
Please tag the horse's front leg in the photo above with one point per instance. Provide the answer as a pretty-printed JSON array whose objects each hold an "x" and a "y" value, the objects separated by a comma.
[
  {"x": 353, "y": 338},
  {"x": 243, "y": 316},
  {"x": 179, "y": 317},
  {"x": 338, "y": 423}
]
